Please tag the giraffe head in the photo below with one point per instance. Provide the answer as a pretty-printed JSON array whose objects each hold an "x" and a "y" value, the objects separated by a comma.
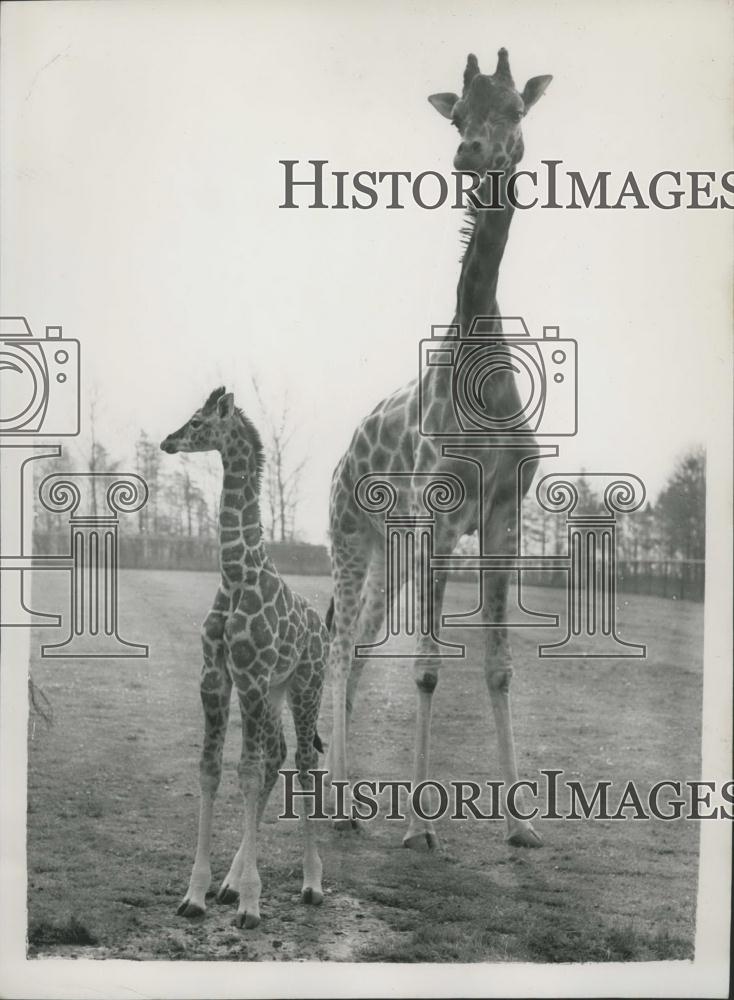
[
  {"x": 489, "y": 115},
  {"x": 220, "y": 426}
]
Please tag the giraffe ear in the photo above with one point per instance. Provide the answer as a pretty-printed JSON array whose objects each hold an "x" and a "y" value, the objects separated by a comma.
[
  {"x": 444, "y": 103},
  {"x": 225, "y": 405},
  {"x": 534, "y": 90}
]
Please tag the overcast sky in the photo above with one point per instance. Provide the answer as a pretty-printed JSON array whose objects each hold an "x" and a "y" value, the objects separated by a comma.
[{"x": 141, "y": 184}]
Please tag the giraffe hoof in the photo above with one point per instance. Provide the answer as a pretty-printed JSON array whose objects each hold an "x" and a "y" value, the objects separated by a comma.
[
  {"x": 227, "y": 895},
  {"x": 346, "y": 824},
  {"x": 246, "y": 920},
  {"x": 188, "y": 909},
  {"x": 313, "y": 896},
  {"x": 421, "y": 841},
  {"x": 524, "y": 837}
]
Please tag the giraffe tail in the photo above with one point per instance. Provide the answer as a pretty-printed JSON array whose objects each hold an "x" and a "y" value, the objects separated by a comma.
[{"x": 329, "y": 622}]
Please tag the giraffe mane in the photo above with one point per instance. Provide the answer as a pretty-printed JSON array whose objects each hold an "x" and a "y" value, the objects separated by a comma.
[
  {"x": 211, "y": 402},
  {"x": 466, "y": 232},
  {"x": 253, "y": 435}
]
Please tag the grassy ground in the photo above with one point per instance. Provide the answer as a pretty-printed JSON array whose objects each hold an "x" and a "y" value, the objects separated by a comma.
[{"x": 113, "y": 785}]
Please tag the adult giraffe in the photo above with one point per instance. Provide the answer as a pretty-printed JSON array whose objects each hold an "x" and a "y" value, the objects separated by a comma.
[{"x": 488, "y": 116}]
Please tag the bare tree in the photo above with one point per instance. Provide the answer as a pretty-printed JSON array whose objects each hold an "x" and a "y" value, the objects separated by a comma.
[
  {"x": 44, "y": 520},
  {"x": 98, "y": 458},
  {"x": 148, "y": 465},
  {"x": 203, "y": 517},
  {"x": 92, "y": 458},
  {"x": 536, "y": 527},
  {"x": 189, "y": 494},
  {"x": 282, "y": 478},
  {"x": 681, "y": 507}
]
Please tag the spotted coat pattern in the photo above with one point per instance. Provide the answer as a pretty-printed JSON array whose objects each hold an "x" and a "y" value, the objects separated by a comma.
[
  {"x": 266, "y": 643},
  {"x": 488, "y": 116}
]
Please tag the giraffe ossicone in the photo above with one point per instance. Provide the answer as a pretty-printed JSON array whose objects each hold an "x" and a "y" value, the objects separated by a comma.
[
  {"x": 488, "y": 116},
  {"x": 267, "y": 643}
]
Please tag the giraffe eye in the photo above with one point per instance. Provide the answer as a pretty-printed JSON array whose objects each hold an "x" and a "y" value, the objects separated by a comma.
[
  {"x": 457, "y": 123},
  {"x": 196, "y": 423}
]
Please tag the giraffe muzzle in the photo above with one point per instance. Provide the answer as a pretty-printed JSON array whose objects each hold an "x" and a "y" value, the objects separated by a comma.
[
  {"x": 473, "y": 147},
  {"x": 169, "y": 445},
  {"x": 471, "y": 155}
]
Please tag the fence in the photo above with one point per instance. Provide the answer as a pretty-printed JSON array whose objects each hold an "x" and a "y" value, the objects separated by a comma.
[
  {"x": 173, "y": 552},
  {"x": 682, "y": 579},
  {"x": 679, "y": 579}
]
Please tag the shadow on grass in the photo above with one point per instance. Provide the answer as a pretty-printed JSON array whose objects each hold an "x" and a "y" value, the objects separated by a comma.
[
  {"x": 442, "y": 912},
  {"x": 613, "y": 944}
]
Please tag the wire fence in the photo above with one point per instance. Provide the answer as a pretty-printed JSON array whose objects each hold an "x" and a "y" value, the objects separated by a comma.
[
  {"x": 683, "y": 579},
  {"x": 143, "y": 551},
  {"x": 679, "y": 579}
]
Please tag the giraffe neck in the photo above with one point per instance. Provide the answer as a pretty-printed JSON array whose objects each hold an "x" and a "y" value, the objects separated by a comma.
[
  {"x": 476, "y": 294},
  {"x": 240, "y": 531}
]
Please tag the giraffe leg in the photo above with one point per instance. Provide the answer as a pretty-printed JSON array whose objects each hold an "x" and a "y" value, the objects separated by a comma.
[
  {"x": 215, "y": 688},
  {"x": 304, "y": 697},
  {"x": 498, "y": 675},
  {"x": 249, "y": 885},
  {"x": 275, "y": 754},
  {"x": 371, "y": 618},
  {"x": 421, "y": 835},
  {"x": 350, "y": 563},
  {"x": 260, "y": 734},
  {"x": 307, "y": 761},
  {"x": 228, "y": 893}
]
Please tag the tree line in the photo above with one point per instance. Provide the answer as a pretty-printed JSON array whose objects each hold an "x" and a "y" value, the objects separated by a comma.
[
  {"x": 184, "y": 497},
  {"x": 670, "y": 528}
]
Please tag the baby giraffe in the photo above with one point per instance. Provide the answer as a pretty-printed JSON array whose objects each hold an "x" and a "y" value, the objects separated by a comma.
[{"x": 268, "y": 642}]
